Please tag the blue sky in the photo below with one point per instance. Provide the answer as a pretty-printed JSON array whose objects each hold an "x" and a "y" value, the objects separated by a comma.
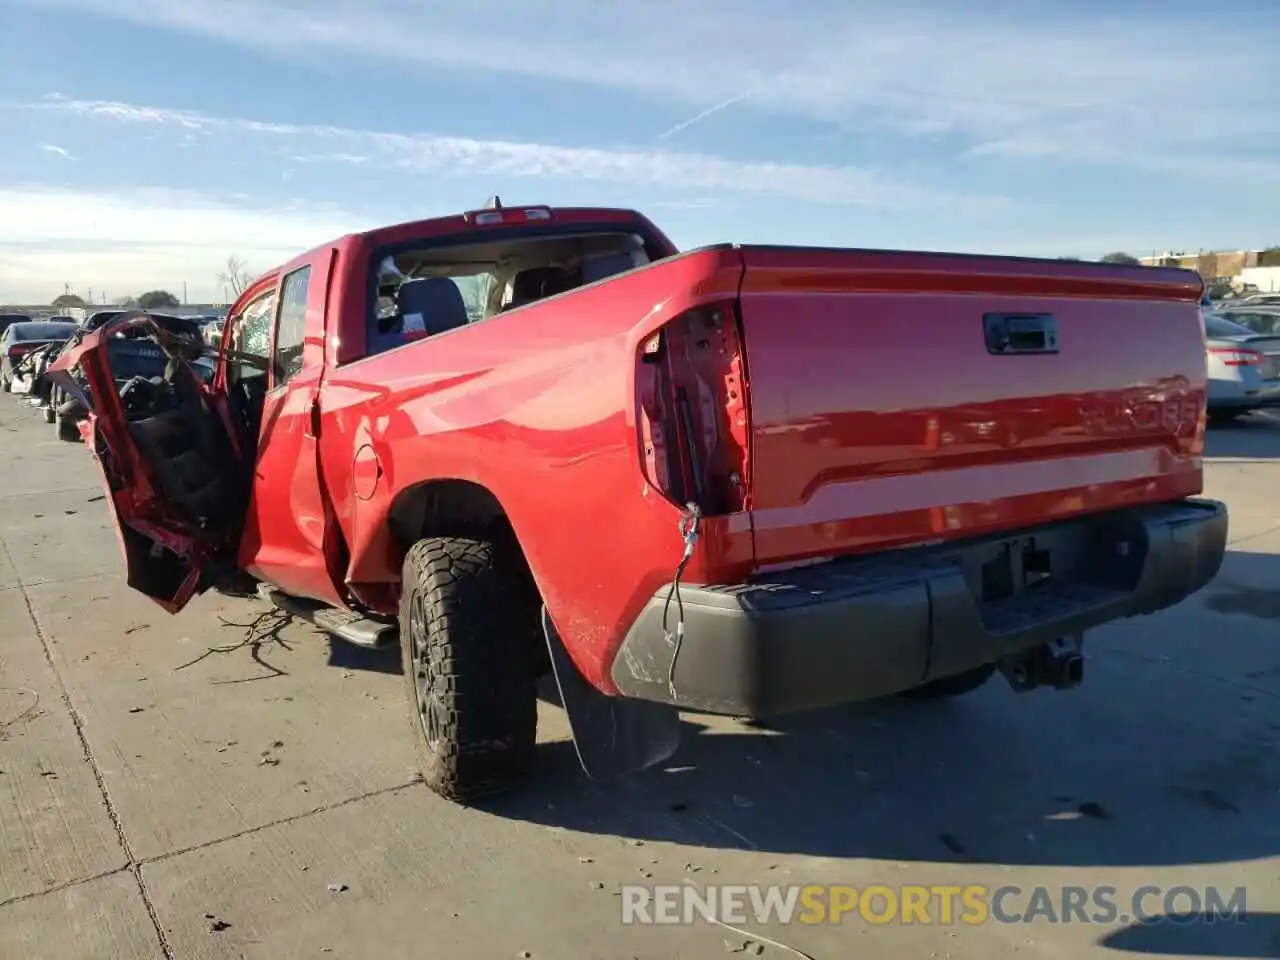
[{"x": 144, "y": 141}]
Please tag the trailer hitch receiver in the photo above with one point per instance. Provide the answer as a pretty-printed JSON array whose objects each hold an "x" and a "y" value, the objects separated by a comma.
[{"x": 1058, "y": 663}]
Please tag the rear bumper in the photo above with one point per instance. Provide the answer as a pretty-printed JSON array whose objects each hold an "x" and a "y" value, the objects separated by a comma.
[
  {"x": 866, "y": 627},
  {"x": 1243, "y": 397}
]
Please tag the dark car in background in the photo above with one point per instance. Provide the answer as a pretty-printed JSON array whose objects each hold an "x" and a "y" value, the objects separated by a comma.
[
  {"x": 21, "y": 338},
  {"x": 7, "y": 319},
  {"x": 131, "y": 354}
]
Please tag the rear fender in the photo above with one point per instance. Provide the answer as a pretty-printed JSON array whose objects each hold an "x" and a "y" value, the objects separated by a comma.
[{"x": 537, "y": 405}]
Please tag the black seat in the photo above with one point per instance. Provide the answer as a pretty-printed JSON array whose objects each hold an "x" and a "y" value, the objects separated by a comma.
[
  {"x": 185, "y": 443},
  {"x": 431, "y": 304},
  {"x": 608, "y": 265},
  {"x": 538, "y": 284}
]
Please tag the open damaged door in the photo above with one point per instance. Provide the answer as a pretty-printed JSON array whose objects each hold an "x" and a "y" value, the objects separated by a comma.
[{"x": 171, "y": 459}]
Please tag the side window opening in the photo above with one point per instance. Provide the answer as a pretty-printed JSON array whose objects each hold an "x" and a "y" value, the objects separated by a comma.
[
  {"x": 291, "y": 326},
  {"x": 251, "y": 335}
]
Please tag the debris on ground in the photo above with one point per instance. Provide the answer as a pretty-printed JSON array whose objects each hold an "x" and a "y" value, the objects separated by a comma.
[
  {"x": 216, "y": 925},
  {"x": 755, "y": 943},
  {"x": 338, "y": 888},
  {"x": 263, "y": 630},
  {"x": 25, "y": 713}
]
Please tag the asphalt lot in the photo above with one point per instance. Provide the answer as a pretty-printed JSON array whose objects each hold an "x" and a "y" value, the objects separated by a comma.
[{"x": 263, "y": 803}]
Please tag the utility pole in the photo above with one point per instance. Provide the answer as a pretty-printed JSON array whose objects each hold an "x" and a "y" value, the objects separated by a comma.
[{"x": 184, "y": 293}]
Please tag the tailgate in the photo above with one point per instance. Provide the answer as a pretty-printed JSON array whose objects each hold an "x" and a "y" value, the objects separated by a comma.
[{"x": 899, "y": 397}]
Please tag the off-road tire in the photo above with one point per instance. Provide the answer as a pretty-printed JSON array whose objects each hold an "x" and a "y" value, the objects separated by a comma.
[
  {"x": 4, "y": 381},
  {"x": 953, "y": 686},
  {"x": 50, "y": 412},
  {"x": 469, "y": 667},
  {"x": 68, "y": 430}
]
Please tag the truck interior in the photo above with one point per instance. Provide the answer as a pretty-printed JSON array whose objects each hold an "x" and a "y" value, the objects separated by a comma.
[{"x": 427, "y": 291}]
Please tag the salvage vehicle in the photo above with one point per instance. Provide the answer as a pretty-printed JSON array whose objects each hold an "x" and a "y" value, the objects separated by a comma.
[
  {"x": 28, "y": 373},
  {"x": 21, "y": 338},
  {"x": 135, "y": 356},
  {"x": 530, "y": 439}
]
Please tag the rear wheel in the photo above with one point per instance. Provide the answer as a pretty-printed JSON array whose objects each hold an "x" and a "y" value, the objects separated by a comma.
[
  {"x": 953, "y": 686},
  {"x": 50, "y": 412},
  {"x": 469, "y": 666}
]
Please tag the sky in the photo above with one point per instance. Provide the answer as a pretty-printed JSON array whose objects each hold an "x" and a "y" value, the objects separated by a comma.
[{"x": 143, "y": 142}]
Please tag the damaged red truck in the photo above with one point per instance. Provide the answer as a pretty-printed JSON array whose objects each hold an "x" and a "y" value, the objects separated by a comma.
[{"x": 743, "y": 480}]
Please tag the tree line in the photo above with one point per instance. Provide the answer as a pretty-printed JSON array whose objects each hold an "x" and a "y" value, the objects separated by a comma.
[{"x": 234, "y": 278}]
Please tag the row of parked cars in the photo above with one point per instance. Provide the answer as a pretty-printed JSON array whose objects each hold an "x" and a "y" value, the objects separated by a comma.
[
  {"x": 29, "y": 347},
  {"x": 1243, "y": 341}
]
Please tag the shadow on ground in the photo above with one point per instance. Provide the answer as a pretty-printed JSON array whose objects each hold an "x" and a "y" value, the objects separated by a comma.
[
  {"x": 1198, "y": 935},
  {"x": 1255, "y": 436},
  {"x": 347, "y": 656},
  {"x": 1162, "y": 757}
]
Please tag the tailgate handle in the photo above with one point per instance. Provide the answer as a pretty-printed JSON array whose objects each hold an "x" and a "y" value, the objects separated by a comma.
[{"x": 1020, "y": 333}]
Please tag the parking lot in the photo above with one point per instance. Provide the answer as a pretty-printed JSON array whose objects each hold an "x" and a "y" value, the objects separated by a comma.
[{"x": 261, "y": 801}]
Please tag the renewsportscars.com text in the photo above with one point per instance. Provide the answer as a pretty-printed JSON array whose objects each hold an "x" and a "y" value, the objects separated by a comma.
[{"x": 972, "y": 904}]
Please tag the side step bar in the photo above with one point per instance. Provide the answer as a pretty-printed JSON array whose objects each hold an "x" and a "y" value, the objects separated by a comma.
[{"x": 346, "y": 625}]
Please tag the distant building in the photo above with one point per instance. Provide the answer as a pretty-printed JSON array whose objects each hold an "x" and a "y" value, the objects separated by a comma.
[
  {"x": 1265, "y": 279},
  {"x": 1217, "y": 264}
]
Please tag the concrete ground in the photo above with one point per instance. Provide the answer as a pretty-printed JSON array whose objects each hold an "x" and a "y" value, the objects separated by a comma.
[{"x": 263, "y": 803}]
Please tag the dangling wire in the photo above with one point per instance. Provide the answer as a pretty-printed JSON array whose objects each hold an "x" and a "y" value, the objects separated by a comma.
[{"x": 689, "y": 524}]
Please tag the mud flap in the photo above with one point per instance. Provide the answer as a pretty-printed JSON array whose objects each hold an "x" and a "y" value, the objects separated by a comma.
[{"x": 613, "y": 736}]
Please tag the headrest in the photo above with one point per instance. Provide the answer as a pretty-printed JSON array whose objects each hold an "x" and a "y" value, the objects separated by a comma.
[
  {"x": 431, "y": 304},
  {"x": 598, "y": 268},
  {"x": 539, "y": 282}
]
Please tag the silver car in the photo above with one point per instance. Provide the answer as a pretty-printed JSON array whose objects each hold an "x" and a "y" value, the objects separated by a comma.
[{"x": 1243, "y": 368}]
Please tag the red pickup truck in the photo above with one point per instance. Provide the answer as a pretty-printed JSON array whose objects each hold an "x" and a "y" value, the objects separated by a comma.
[{"x": 744, "y": 480}]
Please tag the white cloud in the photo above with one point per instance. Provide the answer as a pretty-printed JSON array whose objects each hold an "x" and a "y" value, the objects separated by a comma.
[
  {"x": 54, "y": 148},
  {"x": 131, "y": 241},
  {"x": 463, "y": 156},
  {"x": 1182, "y": 90}
]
